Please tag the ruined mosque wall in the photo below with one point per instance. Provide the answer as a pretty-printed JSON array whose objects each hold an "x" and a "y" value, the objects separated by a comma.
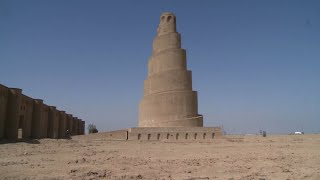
[
  {"x": 82, "y": 127},
  {"x": 79, "y": 127},
  {"x": 75, "y": 125},
  {"x": 37, "y": 123},
  {"x": 3, "y": 108},
  {"x": 62, "y": 124},
  {"x": 44, "y": 125},
  {"x": 69, "y": 123},
  {"x": 13, "y": 112},
  {"x": 26, "y": 111},
  {"x": 53, "y": 122},
  {"x": 23, "y": 117}
]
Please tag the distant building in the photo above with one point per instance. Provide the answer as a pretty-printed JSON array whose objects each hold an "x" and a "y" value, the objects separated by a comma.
[{"x": 298, "y": 133}]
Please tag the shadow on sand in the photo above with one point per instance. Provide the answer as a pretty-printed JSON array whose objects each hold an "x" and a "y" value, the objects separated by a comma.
[
  {"x": 29, "y": 141},
  {"x": 25, "y": 140}
]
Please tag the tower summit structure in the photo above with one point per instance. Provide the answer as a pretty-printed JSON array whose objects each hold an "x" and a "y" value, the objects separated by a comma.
[{"x": 168, "y": 100}]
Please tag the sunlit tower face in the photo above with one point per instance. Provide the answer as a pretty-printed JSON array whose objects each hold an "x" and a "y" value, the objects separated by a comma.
[{"x": 168, "y": 100}]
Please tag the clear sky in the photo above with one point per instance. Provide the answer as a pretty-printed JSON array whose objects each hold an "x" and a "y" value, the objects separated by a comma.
[{"x": 255, "y": 64}]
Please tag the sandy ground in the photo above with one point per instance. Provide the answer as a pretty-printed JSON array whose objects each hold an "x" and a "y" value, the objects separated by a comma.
[{"x": 234, "y": 157}]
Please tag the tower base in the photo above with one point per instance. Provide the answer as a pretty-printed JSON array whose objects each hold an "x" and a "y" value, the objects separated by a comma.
[{"x": 175, "y": 134}]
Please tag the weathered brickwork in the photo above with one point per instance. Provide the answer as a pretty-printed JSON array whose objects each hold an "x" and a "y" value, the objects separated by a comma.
[{"x": 22, "y": 117}]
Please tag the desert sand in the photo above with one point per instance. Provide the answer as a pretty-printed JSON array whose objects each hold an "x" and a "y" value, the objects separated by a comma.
[{"x": 233, "y": 157}]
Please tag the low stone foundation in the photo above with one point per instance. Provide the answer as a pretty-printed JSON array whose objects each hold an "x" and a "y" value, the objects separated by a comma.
[
  {"x": 165, "y": 134},
  {"x": 174, "y": 133},
  {"x": 116, "y": 135}
]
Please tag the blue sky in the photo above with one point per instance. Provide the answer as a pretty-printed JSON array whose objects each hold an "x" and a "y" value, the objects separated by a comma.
[{"x": 255, "y": 64}]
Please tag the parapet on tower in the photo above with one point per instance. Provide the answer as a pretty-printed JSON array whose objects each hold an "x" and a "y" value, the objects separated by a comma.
[{"x": 168, "y": 100}]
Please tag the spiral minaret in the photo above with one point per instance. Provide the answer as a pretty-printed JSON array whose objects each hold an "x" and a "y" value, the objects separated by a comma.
[{"x": 168, "y": 100}]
